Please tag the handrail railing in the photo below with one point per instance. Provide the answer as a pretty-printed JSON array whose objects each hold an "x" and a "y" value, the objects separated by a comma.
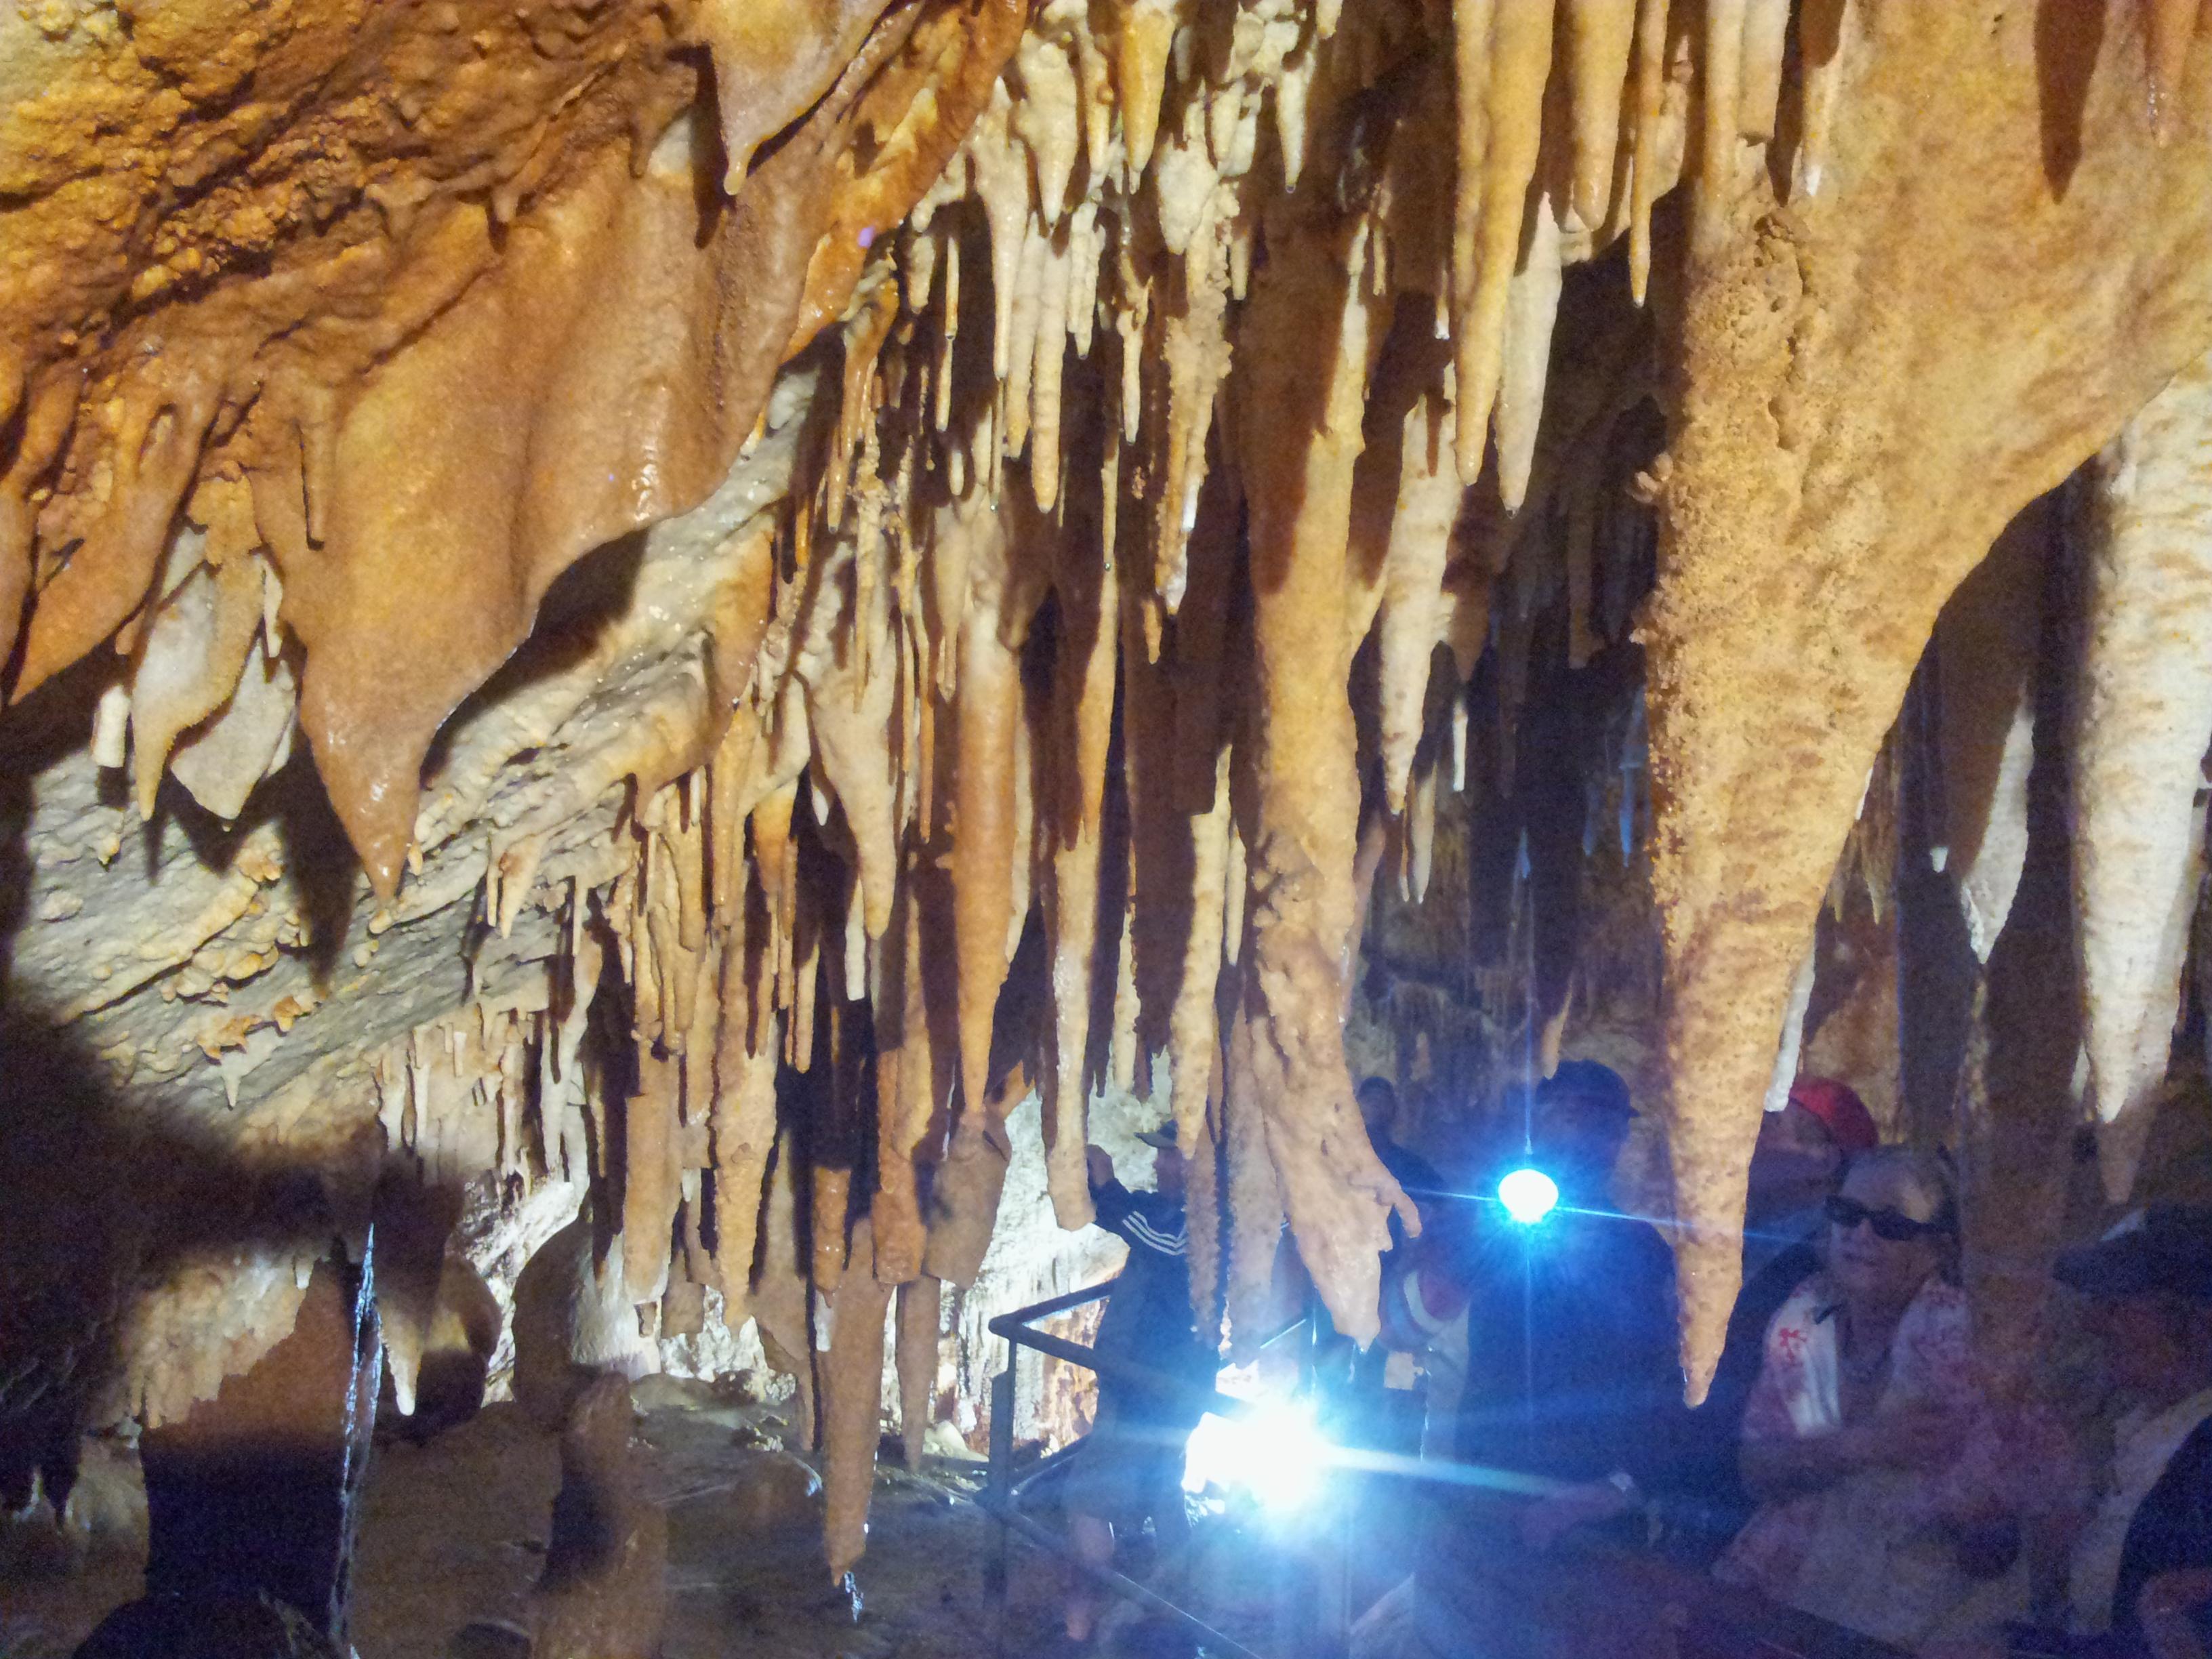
[
  {"x": 1002, "y": 1493},
  {"x": 1772, "y": 1629}
]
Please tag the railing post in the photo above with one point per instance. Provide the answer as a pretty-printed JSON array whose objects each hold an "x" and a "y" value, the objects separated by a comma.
[{"x": 1001, "y": 1490}]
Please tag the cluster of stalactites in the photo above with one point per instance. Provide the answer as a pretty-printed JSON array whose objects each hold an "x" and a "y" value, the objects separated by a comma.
[{"x": 1008, "y": 693}]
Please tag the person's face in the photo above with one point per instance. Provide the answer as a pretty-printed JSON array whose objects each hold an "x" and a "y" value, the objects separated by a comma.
[
  {"x": 1870, "y": 1268},
  {"x": 1795, "y": 1160},
  {"x": 1578, "y": 1136},
  {"x": 1167, "y": 1170},
  {"x": 2142, "y": 1342}
]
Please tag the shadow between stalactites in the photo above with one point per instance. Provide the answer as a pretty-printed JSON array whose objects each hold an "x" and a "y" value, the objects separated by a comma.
[
  {"x": 103, "y": 1198},
  {"x": 2067, "y": 39}
]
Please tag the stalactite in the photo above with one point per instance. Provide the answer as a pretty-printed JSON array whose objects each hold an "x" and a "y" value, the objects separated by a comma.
[
  {"x": 743, "y": 1119},
  {"x": 988, "y": 701},
  {"x": 594, "y": 348},
  {"x": 1520, "y": 60},
  {"x": 649, "y": 1177},
  {"x": 106, "y": 578},
  {"x": 43, "y": 422},
  {"x": 1822, "y": 25},
  {"x": 920, "y": 1315},
  {"x": 2169, "y": 28},
  {"x": 1204, "y": 1206},
  {"x": 1254, "y": 1199},
  {"x": 851, "y": 1387},
  {"x": 190, "y": 662},
  {"x": 2144, "y": 724},
  {"x": 1411, "y": 621},
  {"x": 908, "y": 1092},
  {"x": 1600, "y": 35},
  {"x": 1985, "y": 647},
  {"x": 1192, "y": 1039},
  {"x": 963, "y": 1199},
  {"x": 1299, "y": 435},
  {"x": 782, "y": 1294},
  {"x": 1532, "y": 305},
  {"x": 1720, "y": 119},
  {"x": 1084, "y": 683}
]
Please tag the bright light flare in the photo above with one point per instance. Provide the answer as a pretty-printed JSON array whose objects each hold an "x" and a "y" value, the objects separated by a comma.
[
  {"x": 1276, "y": 1452},
  {"x": 1529, "y": 1195}
]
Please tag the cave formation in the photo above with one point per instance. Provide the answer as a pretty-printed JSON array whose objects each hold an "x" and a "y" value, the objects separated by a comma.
[{"x": 735, "y": 617}]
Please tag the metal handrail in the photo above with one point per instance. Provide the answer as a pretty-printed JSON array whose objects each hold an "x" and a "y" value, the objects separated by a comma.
[
  {"x": 1002, "y": 1493},
  {"x": 1779, "y": 1629}
]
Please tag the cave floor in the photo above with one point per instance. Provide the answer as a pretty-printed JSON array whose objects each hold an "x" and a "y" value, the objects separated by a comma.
[{"x": 454, "y": 1536}]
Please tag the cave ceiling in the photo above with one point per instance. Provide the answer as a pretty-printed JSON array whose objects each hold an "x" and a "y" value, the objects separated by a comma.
[{"x": 945, "y": 548}]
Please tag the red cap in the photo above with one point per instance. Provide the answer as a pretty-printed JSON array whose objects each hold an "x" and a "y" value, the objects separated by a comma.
[{"x": 1840, "y": 1110}]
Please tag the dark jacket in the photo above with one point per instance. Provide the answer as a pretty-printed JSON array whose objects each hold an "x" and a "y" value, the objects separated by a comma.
[
  {"x": 1692, "y": 1471},
  {"x": 1148, "y": 1319},
  {"x": 2172, "y": 1531},
  {"x": 1572, "y": 1364}
]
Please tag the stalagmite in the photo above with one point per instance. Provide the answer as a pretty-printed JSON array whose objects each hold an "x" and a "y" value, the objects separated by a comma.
[
  {"x": 851, "y": 1387},
  {"x": 2143, "y": 722}
]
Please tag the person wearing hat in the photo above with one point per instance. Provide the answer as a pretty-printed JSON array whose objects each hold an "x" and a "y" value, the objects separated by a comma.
[
  {"x": 1572, "y": 1364},
  {"x": 2137, "y": 1551},
  {"x": 1131, "y": 1465},
  {"x": 1691, "y": 1475}
]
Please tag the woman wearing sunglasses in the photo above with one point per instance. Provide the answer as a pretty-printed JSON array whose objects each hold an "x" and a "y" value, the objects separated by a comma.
[{"x": 1853, "y": 1437}]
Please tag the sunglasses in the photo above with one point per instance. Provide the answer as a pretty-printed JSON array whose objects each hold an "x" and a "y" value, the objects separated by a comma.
[{"x": 1894, "y": 1226}]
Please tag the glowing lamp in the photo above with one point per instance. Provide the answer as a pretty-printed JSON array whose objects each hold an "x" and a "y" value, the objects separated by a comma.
[
  {"x": 1276, "y": 1453},
  {"x": 1529, "y": 1195}
]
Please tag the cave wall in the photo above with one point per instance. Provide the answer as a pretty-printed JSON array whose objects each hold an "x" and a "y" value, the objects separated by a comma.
[{"x": 703, "y": 608}]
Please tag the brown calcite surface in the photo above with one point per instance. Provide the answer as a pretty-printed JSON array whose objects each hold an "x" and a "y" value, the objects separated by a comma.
[
  {"x": 753, "y": 621},
  {"x": 1869, "y": 385}
]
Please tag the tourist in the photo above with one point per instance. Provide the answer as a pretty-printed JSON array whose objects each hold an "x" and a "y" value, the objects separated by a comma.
[
  {"x": 1854, "y": 1435},
  {"x": 1130, "y": 1468},
  {"x": 2136, "y": 1541},
  {"x": 1378, "y": 1110},
  {"x": 1691, "y": 1475},
  {"x": 1572, "y": 1364}
]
